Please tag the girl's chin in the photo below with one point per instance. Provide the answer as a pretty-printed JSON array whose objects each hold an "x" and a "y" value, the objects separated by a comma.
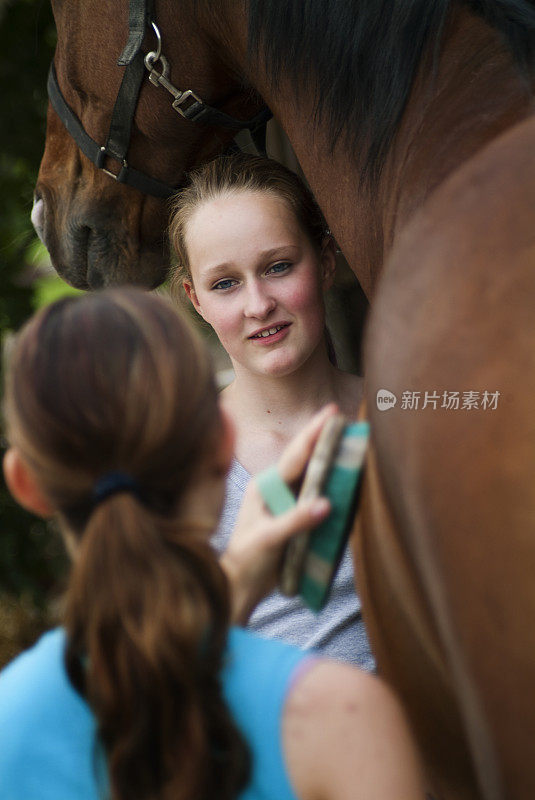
[
  {"x": 278, "y": 367},
  {"x": 276, "y": 364}
]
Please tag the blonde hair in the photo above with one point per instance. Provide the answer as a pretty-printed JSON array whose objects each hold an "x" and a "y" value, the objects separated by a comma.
[
  {"x": 241, "y": 172},
  {"x": 115, "y": 381}
]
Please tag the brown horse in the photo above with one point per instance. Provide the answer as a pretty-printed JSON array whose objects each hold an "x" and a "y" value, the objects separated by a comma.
[{"x": 413, "y": 122}]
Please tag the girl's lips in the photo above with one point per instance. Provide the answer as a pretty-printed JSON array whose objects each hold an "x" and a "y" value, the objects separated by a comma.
[{"x": 272, "y": 337}]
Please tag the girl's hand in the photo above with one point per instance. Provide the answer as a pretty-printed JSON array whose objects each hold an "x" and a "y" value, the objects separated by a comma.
[{"x": 253, "y": 556}]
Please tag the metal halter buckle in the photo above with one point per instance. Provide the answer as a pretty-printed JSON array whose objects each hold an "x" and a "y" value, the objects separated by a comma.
[
  {"x": 100, "y": 161},
  {"x": 188, "y": 104},
  {"x": 162, "y": 78}
]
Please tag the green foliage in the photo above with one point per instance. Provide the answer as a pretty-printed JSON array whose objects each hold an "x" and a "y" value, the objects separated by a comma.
[
  {"x": 50, "y": 288},
  {"x": 31, "y": 555}
]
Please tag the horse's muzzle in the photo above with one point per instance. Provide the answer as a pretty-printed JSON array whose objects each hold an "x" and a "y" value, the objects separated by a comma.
[{"x": 90, "y": 249}]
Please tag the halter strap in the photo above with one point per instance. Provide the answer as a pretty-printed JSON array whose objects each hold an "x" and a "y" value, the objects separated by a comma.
[
  {"x": 124, "y": 109},
  {"x": 139, "y": 15},
  {"x": 118, "y": 140},
  {"x": 95, "y": 152}
]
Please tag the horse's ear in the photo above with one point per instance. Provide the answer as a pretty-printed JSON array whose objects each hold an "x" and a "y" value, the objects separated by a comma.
[
  {"x": 328, "y": 262},
  {"x": 22, "y": 484}
]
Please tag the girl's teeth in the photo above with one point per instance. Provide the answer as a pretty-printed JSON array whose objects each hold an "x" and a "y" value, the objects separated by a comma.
[{"x": 269, "y": 332}]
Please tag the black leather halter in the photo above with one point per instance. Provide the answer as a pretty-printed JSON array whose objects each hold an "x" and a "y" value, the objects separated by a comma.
[{"x": 186, "y": 103}]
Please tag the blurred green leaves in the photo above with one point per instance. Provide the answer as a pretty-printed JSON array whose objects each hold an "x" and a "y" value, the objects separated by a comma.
[
  {"x": 32, "y": 559},
  {"x": 27, "y": 37}
]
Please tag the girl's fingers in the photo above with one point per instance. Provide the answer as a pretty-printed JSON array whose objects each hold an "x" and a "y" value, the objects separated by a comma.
[
  {"x": 305, "y": 516},
  {"x": 294, "y": 459}
]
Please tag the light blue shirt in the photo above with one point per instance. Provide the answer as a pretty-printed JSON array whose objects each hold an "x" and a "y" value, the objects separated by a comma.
[{"x": 48, "y": 743}]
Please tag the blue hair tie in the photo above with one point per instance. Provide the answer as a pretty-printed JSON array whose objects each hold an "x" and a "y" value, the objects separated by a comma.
[{"x": 113, "y": 483}]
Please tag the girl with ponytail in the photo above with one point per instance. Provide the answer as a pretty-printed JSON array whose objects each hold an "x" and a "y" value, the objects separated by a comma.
[{"x": 148, "y": 692}]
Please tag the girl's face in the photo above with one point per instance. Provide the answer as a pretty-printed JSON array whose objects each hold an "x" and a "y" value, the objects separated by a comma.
[{"x": 258, "y": 280}]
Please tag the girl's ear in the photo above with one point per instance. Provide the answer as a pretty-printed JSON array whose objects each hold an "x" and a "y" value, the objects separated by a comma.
[
  {"x": 189, "y": 288},
  {"x": 328, "y": 262},
  {"x": 23, "y": 485}
]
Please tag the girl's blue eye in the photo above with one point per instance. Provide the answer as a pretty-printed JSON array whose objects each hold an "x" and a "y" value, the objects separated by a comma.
[
  {"x": 282, "y": 266},
  {"x": 226, "y": 283}
]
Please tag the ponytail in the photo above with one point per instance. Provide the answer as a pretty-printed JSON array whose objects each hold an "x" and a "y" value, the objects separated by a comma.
[
  {"x": 153, "y": 648},
  {"x": 114, "y": 384}
]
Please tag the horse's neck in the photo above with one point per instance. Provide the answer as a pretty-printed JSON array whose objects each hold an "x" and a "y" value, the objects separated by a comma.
[{"x": 475, "y": 95}]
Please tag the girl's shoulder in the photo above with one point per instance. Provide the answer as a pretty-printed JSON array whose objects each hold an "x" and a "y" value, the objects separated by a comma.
[
  {"x": 35, "y": 687},
  {"x": 41, "y": 716},
  {"x": 345, "y": 736},
  {"x": 34, "y": 670}
]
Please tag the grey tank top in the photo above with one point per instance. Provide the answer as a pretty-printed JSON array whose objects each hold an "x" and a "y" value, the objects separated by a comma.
[{"x": 337, "y": 631}]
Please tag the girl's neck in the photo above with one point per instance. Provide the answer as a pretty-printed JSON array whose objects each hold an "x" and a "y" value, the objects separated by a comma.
[
  {"x": 300, "y": 393},
  {"x": 268, "y": 411}
]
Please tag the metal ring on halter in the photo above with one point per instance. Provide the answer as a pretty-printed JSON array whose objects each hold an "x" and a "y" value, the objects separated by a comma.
[
  {"x": 153, "y": 56},
  {"x": 150, "y": 60},
  {"x": 158, "y": 50},
  {"x": 125, "y": 106}
]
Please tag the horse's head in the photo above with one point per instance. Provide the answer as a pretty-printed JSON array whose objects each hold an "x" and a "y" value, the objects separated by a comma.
[{"x": 100, "y": 231}]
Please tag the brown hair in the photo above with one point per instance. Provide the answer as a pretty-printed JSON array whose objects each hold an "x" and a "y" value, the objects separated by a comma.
[
  {"x": 241, "y": 172},
  {"x": 115, "y": 381}
]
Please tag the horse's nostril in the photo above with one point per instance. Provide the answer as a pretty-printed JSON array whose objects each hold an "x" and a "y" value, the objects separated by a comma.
[{"x": 38, "y": 217}]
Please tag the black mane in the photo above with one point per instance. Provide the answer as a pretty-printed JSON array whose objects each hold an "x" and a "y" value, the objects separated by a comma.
[{"x": 361, "y": 55}]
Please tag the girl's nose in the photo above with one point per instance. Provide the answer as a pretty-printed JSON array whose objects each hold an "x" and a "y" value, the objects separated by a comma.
[{"x": 259, "y": 302}]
